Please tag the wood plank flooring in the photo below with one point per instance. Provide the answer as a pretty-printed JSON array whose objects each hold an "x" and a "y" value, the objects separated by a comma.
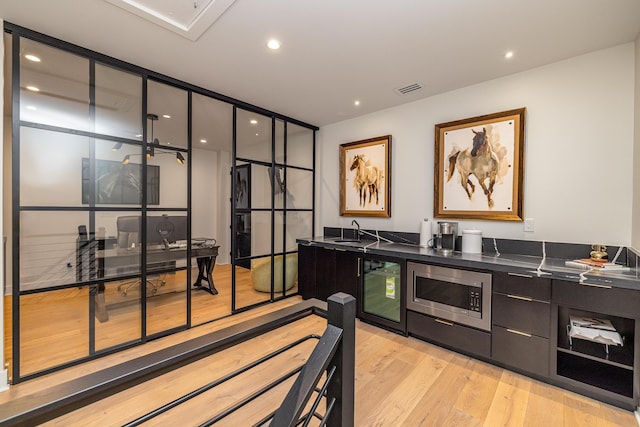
[
  {"x": 55, "y": 325},
  {"x": 399, "y": 381}
]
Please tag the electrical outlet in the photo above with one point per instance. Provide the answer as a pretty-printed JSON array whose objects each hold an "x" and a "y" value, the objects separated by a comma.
[{"x": 529, "y": 224}]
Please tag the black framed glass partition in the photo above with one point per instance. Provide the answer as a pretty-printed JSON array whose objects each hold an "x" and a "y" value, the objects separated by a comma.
[{"x": 123, "y": 202}]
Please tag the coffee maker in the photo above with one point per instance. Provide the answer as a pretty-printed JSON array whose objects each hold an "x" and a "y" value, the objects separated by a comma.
[{"x": 446, "y": 238}]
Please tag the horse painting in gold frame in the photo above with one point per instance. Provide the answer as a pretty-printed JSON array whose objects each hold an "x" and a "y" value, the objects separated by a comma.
[
  {"x": 479, "y": 167},
  {"x": 365, "y": 177}
]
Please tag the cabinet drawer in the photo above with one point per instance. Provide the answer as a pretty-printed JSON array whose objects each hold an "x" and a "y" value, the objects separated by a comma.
[
  {"x": 522, "y": 285},
  {"x": 529, "y": 316},
  {"x": 528, "y": 353},
  {"x": 615, "y": 301},
  {"x": 455, "y": 336}
]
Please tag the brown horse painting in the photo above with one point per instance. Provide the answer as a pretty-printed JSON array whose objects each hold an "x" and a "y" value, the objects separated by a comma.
[
  {"x": 367, "y": 179},
  {"x": 479, "y": 161}
]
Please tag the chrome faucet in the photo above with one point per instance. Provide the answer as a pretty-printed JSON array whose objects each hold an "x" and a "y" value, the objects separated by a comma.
[{"x": 354, "y": 222}]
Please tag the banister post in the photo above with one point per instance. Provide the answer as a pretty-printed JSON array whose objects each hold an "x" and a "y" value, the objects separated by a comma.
[{"x": 342, "y": 314}]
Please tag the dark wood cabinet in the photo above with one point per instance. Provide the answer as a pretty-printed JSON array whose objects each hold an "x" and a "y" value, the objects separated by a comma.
[
  {"x": 520, "y": 350},
  {"x": 324, "y": 271},
  {"x": 307, "y": 271},
  {"x": 449, "y": 334},
  {"x": 521, "y": 317},
  {"x": 606, "y": 372}
]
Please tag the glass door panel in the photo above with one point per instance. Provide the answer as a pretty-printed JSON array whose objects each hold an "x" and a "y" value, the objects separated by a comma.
[
  {"x": 118, "y": 101},
  {"x": 299, "y": 146},
  {"x": 49, "y": 161},
  {"x": 253, "y": 136},
  {"x": 54, "y": 328},
  {"x": 212, "y": 123},
  {"x": 54, "y": 90},
  {"x": 381, "y": 289}
]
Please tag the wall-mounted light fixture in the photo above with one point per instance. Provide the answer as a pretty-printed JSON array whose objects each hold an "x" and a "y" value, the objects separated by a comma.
[{"x": 180, "y": 158}]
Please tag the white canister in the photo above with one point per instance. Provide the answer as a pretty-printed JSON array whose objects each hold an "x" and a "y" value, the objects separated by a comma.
[
  {"x": 425, "y": 233},
  {"x": 471, "y": 241}
]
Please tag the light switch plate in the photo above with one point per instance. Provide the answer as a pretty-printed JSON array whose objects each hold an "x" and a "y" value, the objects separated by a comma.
[{"x": 529, "y": 224}]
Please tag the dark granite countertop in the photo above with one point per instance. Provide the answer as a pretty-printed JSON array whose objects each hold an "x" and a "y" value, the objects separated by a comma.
[{"x": 553, "y": 268}]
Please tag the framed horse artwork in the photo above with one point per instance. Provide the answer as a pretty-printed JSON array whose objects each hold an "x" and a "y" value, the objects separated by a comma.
[
  {"x": 479, "y": 167},
  {"x": 365, "y": 177}
]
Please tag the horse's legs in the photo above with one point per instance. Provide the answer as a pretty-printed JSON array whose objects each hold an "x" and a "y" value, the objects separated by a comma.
[
  {"x": 464, "y": 181},
  {"x": 488, "y": 191}
]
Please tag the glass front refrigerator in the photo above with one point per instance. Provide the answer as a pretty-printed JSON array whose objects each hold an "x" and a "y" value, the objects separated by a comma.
[{"x": 381, "y": 298}]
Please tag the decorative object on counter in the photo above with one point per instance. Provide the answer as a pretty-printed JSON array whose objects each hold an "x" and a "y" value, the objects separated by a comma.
[
  {"x": 425, "y": 233},
  {"x": 596, "y": 264},
  {"x": 471, "y": 241},
  {"x": 365, "y": 177},
  {"x": 598, "y": 252},
  {"x": 479, "y": 167}
]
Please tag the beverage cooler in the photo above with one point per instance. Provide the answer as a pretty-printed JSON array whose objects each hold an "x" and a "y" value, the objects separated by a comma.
[{"x": 381, "y": 292}]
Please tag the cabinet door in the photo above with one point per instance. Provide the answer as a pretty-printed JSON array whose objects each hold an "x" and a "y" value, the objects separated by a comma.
[
  {"x": 520, "y": 350},
  {"x": 522, "y": 285},
  {"x": 522, "y": 314},
  {"x": 598, "y": 298},
  {"x": 347, "y": 272},
  {"x": 451, "y": 335},
  {"x": 307, "y": 271},
  {"x": 325, "y": 273}
]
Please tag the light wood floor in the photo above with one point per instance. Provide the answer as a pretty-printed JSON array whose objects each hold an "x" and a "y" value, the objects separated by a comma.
[
  {"x": 399, "y": 382},
  {"x": 55, "y": 325}
]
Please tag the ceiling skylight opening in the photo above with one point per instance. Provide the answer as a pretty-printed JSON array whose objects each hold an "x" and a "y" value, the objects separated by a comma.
[
  {"x": 273, "y": 44},
  {"x": 508, "y": 55},
  {"x": 32, "y": 58}
]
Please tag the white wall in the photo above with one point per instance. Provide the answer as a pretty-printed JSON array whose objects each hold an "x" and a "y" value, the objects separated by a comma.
[
  {"x": 579, "y": 137},
  {"x": 635, "y": 238}
]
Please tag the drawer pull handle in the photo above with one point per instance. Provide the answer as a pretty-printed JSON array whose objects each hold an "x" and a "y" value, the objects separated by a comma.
[
  {"x": 520, "y": 275},
  {"x": 524, "y": 334},
  {"x": 519, "y": 297},
  {"x": 593, "y": 285},
  {"x": 444, "y": 322}
]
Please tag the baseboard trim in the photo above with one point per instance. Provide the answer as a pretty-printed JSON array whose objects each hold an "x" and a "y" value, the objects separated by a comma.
[{"x": 4, "y": 380}]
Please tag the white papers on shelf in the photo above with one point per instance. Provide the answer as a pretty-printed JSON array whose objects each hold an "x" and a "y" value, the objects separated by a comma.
[{"x": 596, "y": 330}]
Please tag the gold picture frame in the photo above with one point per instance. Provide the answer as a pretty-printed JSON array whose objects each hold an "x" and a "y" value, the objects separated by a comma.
[
  {"x": 478, "y": 171},
  {"x": 365, "y": 177}
]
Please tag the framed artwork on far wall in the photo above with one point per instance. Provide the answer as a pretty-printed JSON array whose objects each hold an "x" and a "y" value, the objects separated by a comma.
[
  {"x": 243, "y": 187},
  {"x": 365, "y": 177},
  {"x": 478, "y": 171}
]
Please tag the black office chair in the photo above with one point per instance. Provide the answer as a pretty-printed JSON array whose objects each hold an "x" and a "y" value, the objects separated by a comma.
[{"x": 129, "y": 235}]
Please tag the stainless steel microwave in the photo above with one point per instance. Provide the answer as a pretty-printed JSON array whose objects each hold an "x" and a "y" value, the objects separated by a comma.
[{"x": 459, "y": 296}]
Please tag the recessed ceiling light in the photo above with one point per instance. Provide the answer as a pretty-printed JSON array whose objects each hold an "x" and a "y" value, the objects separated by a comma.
[
  {"x": 33, "y": 89},
  {"x": 253, "y": 122},
  {"x": 32, "y": 58},
  {"x": 31, "y": 107},
  {"x": 257, "y": 134},
  {"x": 356, "y": 103},
  {"x": 166, "y": 116},
  {"x": 273, "y": 44},
  {"x": 204, "y": 141},
  {"x": 508, "y": 55}
]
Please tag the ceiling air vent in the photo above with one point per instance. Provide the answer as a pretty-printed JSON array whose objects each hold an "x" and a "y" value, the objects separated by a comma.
[{"x": 408, "y": 89}]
